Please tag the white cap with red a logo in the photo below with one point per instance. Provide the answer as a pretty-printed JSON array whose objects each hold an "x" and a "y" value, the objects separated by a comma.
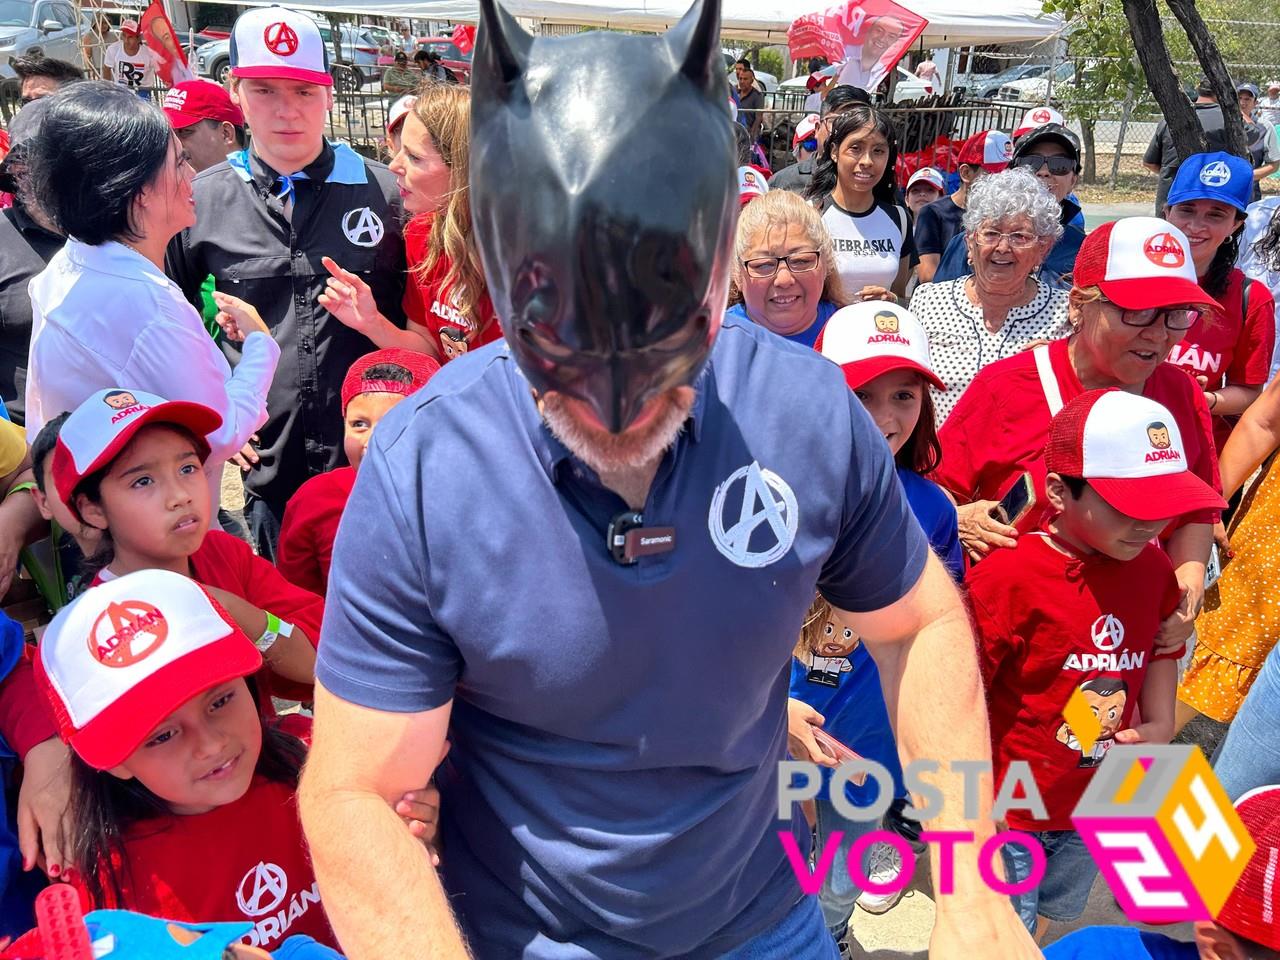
[
  {"x": 1140, "y": 263},
  {"x": 277, "y": 43},
  {"x": 873, "y": 337},
  {"x": 1038, "y": 117},
  {"x": 129, "y": 653}
]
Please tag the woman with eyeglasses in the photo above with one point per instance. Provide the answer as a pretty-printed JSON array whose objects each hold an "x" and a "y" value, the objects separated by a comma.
[
  {"x": 1135, "y": 295},
  {"x": 853, "y": 185},
  {"x": 1229, "y": 350},
  {"x": 784, "y": 275},
  {"x": 1010, "y": 224}
]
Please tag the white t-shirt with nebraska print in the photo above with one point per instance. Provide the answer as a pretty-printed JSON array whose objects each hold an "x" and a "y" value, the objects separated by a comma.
[
  {"x": 869, "y": 246},
  {"x": 134, "y": 70}
]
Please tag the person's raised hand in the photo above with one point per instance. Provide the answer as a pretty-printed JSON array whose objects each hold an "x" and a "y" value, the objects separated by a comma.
[
  {"x": 982, "y": 530},
  {"x": 44, "y": 807},
  {"x": 801, "y": 721},
  {"x": 349, "y": 299},
  {"x": 237, "y": 318}
]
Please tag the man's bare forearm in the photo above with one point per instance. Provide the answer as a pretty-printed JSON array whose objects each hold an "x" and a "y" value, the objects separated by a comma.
[{"x": 380, "y": 891}]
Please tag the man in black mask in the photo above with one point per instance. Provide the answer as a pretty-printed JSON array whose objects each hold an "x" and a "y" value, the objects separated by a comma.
[{"x": 651, "y": 496}]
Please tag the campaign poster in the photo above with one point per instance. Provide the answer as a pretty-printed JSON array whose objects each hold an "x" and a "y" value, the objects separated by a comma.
[
  {"x": 868, "y": 36},
  {"x": 162, "y": 39}
]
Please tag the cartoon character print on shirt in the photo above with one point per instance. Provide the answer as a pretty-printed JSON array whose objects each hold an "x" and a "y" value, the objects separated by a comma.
[
  {"x": 1106, "y": 697},
  {"x": 453, "y": 342},
  {"x": 832, "y": 656}
]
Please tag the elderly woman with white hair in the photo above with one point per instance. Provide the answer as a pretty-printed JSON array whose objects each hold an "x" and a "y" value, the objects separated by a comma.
[{"x": 1011, "y": 222}]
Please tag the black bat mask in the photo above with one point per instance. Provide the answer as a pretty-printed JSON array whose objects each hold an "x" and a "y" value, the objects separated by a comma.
[{"x": 604, "y": 201}]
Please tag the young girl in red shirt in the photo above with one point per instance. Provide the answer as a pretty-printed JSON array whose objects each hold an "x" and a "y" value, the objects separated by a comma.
[
  {"x": 128, "y": 464},
  {"x": 182, "y": 796},
  {"x": 445, "y": 301}
]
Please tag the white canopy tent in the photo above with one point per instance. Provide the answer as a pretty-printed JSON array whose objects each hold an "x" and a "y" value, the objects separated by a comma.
[{"x": 951, "y": 24}]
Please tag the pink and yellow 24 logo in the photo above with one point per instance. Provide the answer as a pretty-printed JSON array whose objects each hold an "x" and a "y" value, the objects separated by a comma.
[{"x": 1163, "y": 832}]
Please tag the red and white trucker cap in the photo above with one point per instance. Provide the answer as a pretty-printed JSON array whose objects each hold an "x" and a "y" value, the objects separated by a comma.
[
  {"x": 189, "y": 102},
  {"x": 1129, "y": 449},
  {"x": 1253, "y": 906},
  {"x": 806, "y": 129},
  {"x": 870, "y": 338},
  {"x": 990, "y": 149},
  {"x": 1038, "y": 117},
  {"x": 751, "y": 184},
  {"x": 399, "y": 110},
  {"x": 129, "y": 653},
  {"x": 279, "y": 44},
  {"x": 930, "y": 176},
  {"x": 102, "y": 425},
  {"x": 129, "y": 26},
  {"x": 1140, "y": 263}
]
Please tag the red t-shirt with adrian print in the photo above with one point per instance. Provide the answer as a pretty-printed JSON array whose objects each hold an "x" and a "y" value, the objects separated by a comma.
[
  {"x": 1230, "y": 345},
  {"x": 1049, "y": 624},
  {"x": 428, "y": 303}
]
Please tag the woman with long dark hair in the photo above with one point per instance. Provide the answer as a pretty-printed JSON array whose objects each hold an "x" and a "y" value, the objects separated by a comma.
[
  {"x": 112, "y": 176},
  {"x": 853, "y": 183},
  {"x": 1229, "y": 349}
]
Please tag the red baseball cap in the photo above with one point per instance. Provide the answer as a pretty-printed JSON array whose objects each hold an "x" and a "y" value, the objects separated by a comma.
[
  {"x": 102, "y": 425},
  {"x": 1140, "y": 263},
  {"x": 189, "y": 102},
  {"x": 131, "y": 651},
  {"x": 419, "y": 366},
  {"x": 129, "y": 26},
  {"x": 989, "y": 149},
  {"x": 1253, "y": 906},
  {"x": 873, "y": 337},
  {"x": 1130, "y": 450}
]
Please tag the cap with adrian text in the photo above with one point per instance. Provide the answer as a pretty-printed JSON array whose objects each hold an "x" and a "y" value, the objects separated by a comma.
[
  {"x": 873, "y": 337},
  {"x": 1140, "y": 263},
  {"x": 1130, "y": 450},
  {"x": 131, "y": 651}
]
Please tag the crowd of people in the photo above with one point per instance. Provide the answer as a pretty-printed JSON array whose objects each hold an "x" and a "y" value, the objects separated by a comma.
[{"x": 502, "y": 651}]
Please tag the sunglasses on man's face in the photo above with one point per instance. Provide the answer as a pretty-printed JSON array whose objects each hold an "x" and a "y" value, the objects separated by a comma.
[{"x": 1058, "y": 166}]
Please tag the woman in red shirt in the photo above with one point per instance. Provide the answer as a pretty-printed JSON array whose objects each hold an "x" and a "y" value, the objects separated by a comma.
[
  {"x": 1228, "y": 350},
  {"x": 445, "y": 301},
  {"x": 1135, "y": 296}
]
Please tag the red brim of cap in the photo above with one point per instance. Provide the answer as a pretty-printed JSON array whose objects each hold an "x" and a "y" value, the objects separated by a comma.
[
  {"x": 197, "y": 418},
  {"x": 1146, "y": 293},
  {"x": 180, "y": 121},
  {"x": 996, "y": 167},
  {"x": 109, "y": 738},
  {"x": 132, "y": 31},
  {"x": 283, "y": 73},
  {"x": 395, "y": 124},
  {"x": 861, "y": 372},
  {"x": 1158, "y": 498}
]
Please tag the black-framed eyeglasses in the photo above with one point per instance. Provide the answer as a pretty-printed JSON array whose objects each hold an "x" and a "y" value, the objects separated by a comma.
[
  {"x": 1175, "y": 318},
  {"x": 1058, "y": 166},
  {"x": 762, "y": 268}
]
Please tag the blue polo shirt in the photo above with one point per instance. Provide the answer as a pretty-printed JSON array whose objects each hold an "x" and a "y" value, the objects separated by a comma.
[
  {"x": 806, "y": 337},
  {"x": 611, "y": 790}
]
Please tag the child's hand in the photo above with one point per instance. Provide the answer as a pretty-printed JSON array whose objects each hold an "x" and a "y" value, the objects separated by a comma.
[
  {"x": 420, "y": 810},
  {"x": 801, "y": 719},
  {"x": 237, "y": 318},
  {"x": 1154, "y": 732}
]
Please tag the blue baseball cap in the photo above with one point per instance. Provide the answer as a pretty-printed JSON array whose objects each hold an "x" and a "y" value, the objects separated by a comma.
[{"x": 1213, "y": 176}]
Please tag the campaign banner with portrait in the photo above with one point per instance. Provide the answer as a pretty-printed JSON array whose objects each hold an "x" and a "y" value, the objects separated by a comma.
[
  {"x": 869, "y": 36},
  {"x": 160, "y": 37}
]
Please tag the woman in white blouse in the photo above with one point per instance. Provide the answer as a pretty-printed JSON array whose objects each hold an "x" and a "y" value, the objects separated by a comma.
[
  {"x": 111, "y": 174},
  {"x": 1011, "y": 222}
]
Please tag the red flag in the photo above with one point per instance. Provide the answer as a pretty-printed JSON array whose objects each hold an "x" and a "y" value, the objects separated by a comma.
[
  {"x": 464, "y": 37},
  {"x": 159, "y": 35},
  {"x": 870, "y": 36}
]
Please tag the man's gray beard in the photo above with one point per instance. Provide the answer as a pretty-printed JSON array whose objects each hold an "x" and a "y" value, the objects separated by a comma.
[{"x": 609, "y": 453}]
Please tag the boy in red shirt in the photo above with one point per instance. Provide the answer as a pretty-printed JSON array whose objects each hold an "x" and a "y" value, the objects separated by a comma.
[
  {"x": 1072, "y": 613},
  {"x": 374, "y": 384}
]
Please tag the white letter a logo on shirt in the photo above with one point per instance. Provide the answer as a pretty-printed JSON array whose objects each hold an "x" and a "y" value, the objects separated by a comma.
[{"x": 767, "y": 501}]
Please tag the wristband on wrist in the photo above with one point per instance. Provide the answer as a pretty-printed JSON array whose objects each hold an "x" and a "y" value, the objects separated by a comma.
[
  {"x": 275, "y": 629},
  {"x": 1214, "y": 405}
]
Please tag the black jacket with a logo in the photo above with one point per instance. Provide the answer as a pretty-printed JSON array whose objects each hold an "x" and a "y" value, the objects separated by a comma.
[{"x": 244, "y": 240}]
